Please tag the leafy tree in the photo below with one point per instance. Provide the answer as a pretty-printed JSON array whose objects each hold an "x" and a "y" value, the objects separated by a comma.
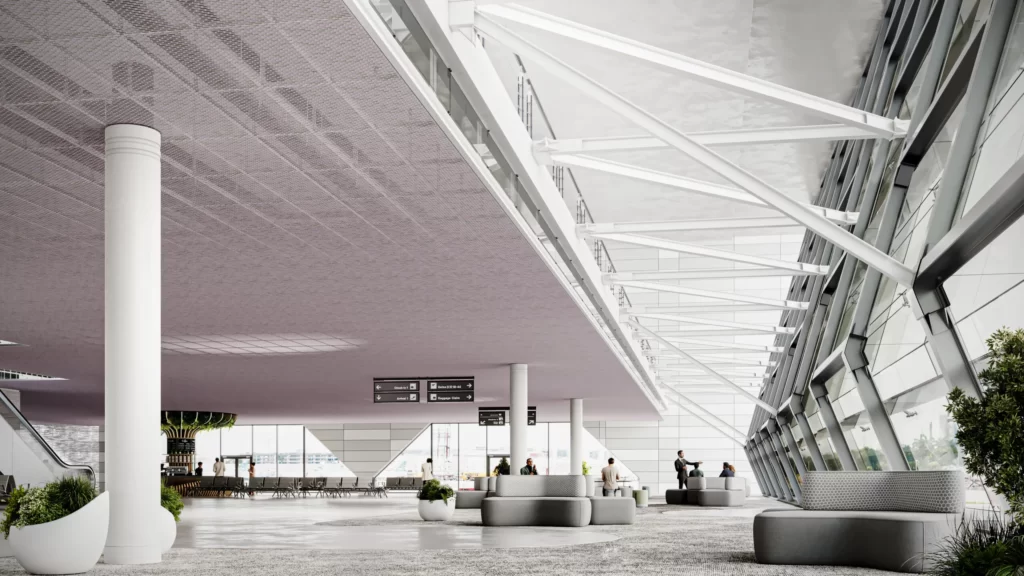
[{"x": 991, "y": 430}]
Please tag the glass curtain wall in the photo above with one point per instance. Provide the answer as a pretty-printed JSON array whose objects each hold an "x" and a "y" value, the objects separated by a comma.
[{"x": 278, "y": 450}]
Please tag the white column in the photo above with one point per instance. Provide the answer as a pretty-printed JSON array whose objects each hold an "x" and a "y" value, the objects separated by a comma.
[
  {"x": 576, "y": 436},
  {"x": 517, "y": 416},
  {"x": 132, "y": 352}
]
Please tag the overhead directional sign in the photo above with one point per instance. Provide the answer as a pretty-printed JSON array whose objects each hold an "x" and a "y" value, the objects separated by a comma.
[
  {"x": 392, "y": 397},
  {"x": 450, "y": 384},
  {"x": 450, "y": 396},
  {"x": 491, "y": 417},
  {"x": 396, "y": 385},
  {"x": 531, "y": 417}
]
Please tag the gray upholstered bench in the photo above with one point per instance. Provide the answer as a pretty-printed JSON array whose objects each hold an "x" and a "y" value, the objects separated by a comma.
[
  {"x": 883, "y": 520},
  {"x": 537, "y": 501},
  {"x": 483, "y": 487},
  {"x": 612, "y": 511},
  {"x": 714, "y": 491}
]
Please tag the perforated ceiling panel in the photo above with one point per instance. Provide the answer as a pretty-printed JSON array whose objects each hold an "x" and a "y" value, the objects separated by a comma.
[{"x": 307, "y": 195}]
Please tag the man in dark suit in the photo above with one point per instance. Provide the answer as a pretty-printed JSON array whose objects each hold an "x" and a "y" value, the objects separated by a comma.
[{"x": 681, "y": 464}]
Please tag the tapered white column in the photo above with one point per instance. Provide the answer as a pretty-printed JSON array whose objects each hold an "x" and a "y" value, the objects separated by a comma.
[
  {"x": 517, "y": 416},
  {"x": 132, "y": 351},
  {"x": 576, "y": 436}
]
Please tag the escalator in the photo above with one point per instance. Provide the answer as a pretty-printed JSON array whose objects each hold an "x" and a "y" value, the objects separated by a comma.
[{"x": 26, "y": 455}]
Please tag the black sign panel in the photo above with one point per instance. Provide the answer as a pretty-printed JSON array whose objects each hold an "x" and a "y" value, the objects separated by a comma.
[
  {"x": 390, "y": 397},
  {"x": 492, "y": 417},
  {"x": 450, "y": 396},
  {"x": 396, "y": 385},
  {"x": 450, "y": 385},
  {"x": 531, "y": 417}
]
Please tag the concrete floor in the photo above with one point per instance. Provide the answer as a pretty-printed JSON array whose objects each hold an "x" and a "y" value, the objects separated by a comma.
[{"x": 301, "y": 524}]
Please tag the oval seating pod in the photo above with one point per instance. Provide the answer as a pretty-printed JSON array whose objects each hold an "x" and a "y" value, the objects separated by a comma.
[{"x": 70, "y": 545}]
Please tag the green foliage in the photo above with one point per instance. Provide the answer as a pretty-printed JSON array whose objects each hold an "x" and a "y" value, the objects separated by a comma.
[
  {"x": 31, "y": 506},
  {"x": 991, "y": 430},
  {"x": 433, "y": 490},
  {"x": 586, "y": 468},
  {"x": 171, "y": 501},
  {"x": 176, "y": 422},
  {"x": 503, "y": 468},
  {"x": 978, "y": 547},
  {"x": 1012, "y": 561}
]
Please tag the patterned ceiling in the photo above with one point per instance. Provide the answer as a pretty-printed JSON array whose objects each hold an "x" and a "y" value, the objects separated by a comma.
[{"x": 308, "y": 202}]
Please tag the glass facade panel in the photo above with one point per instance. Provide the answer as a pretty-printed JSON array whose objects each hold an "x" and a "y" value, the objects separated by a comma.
[
  {"x": 320, "y": 461},
  {"x": 264, "y": 450},
  {"x": 805, "y": 453},
  {"x": 290, "y": 440},
  {"x": 472, "y": 454},
  {"x": 925, "y": 430},
  {"x": 207, "y": 448},
  {"x": 864, "y": 446}
]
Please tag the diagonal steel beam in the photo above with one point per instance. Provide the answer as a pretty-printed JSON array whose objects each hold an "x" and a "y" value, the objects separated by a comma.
[
  {"x": 745, "y": 348},
  {"x": 684, "y": 248},
  {"x": 707, "y": 322},
  {"x": 715, "y": 75},
  {"x": 702, "y": 419},
  {"x": 707, "y": 369},
  {"x": 698, "y": 309},
  {"x": 544, "y": 148},
  {"x": 613, "y": 277},
  {"x": 863, "y": 251},
  {"x": 684, "y": 183},
  {"x": 717, "y": 295}
]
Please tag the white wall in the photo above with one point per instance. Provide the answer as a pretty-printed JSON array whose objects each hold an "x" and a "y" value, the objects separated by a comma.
[{"x": 365, "y": 448}]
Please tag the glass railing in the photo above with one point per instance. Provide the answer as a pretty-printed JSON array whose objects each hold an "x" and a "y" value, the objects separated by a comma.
[
  {"x": 35, "y": 442},
  {"x": 410, "y": 36}
]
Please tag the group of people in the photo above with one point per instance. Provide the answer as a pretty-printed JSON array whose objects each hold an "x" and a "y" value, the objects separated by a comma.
[
  {"x": 218, "y": 469},
  {"x": 681, "y": 463}
]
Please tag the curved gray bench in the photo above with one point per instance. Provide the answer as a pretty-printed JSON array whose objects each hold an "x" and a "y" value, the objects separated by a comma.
[
  {"x": 612, "y": 511},
  {"x": 710, "y": 491},
  {"x": 537, "y": 501},
  {"x": 883, "y": 520},
  {"x": 483, "y": 487}
]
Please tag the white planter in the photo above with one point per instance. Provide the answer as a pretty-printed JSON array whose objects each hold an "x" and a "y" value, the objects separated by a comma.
[
  {"x": 71, "y": 545},
  {"x": 590, "y": 485},
  {"x": 167, "y": 529},
  {"x": 437, "y": 511}
]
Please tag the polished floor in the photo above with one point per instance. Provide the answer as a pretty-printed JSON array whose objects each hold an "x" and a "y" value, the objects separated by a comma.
[{"x": 317, "y": 536}]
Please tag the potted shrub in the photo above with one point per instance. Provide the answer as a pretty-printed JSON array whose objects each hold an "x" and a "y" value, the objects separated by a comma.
[
  {"x": 587, "y": 481},
  {"x": 437, "y": 501},
  {"x": 170, "y": 513},
  {"x": 60, "y": 528}
]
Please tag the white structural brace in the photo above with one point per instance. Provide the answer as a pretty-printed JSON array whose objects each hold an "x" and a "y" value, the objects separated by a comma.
[
  {"x": 544, "y": 148},
  {"x": 707, "y": 369},
  {"x": 684, "y": 248},
  {"x": 684, "y": 183},
  {"x": 856, "y": 247},
  {"x": 707, "y": 322},
  {"x": 730, "y": 345},
  {"x": 613, "y": 277},
  {"x": 716, "y": 295},
  {"x": 715, "y": 75},
  {"x": 701, "y": 418},
  {"x": 686, "y": 225},
  {"x": 730, "y": 308}
]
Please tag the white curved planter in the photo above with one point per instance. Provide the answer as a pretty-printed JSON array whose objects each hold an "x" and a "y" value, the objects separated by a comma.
[
  {"x": 437, "y": 511},
  {"x": 71, "y": 545},
  {"x": 167, "y": 529}
]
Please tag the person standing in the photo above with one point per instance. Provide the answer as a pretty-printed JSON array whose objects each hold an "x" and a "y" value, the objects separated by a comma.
[
  {"x": 252, "y": 474},
  {"x": 427, "y": 468},
  {"x": 610, "y": 476},
  {"x": 218, "y": 467},
  {"x": 529, "y": 469},
  {"x": 681, "y": 464},
  {"x": 199, "y": 469},
  {"x": 727, "y": 471}
]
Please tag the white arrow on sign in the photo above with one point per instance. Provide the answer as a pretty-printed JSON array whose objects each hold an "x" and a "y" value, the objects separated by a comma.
[
  {"x": 378, "y": 396},
  {"x": 378, "y": 386},
  {"x": 469, "y": 396},
  {"x": 470, "y": 386}
]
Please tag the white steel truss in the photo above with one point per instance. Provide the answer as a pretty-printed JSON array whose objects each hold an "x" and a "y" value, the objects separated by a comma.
[
  {"x": 721, "y": 323},
  {"x": 709, "y": 274},
  {"x": 717, "y": 295},
  {"x": 730, "y": 308},
  {"x": 696, "y": 415},
  {"x": 870, "y": 124},
  {"x": 693, "y": 249},
  {"x": 486, "y": 24},
  {"x": 684, "y": 183},
  {"x": 707, "y": 369},
  {"x": 545, "y": 147},
  {"x": 709, "y": 344},
  {"x": 685, "y": 226}
]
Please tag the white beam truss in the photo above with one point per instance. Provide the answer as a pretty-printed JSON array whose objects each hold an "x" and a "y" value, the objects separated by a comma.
[
  {"x": 712, "y": 361},
  {"x": 687, "y": 225},
  {"x": 729, "y": 308},
  {"x": 705, "y": 411},
  {"x": 711, "y": 138},
  {"x": 780, "y": 304},
  {"x": 680, "y": 371},
  {"x": 713, "y": 332},
  {"x": 708, "y": 274},
  {"x": 691, "y": 412},
  {"x": 486, "y": 25},
  {"x": 707, "y": 369},
  {"x": 731, "y": 345},
  {"x": 871, "y": 124},
  {"x": 688, "y": 184},
  {"x": 721, "y": 323},
  {"x": 684, "y": 248}
]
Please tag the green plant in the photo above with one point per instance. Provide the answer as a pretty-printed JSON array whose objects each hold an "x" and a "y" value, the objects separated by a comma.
[
  {"x": 503, "y": 468},
  {"x": 586, "y": 468},
  {"x": 31, "y": 506},
  {"x": 433, "y": 490},
  {"x": 171, "y": 501},
  {"x": 1012, "y": 561},
  {"x": 976, "y": 548},
  {"x": 187, "y": 424},
  {"x": 990, "y": 430}
]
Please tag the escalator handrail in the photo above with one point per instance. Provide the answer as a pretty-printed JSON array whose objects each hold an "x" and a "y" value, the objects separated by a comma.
[{"x": 42, "y": 441}]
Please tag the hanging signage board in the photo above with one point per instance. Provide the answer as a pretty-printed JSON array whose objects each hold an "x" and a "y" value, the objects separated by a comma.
[
  {"x": 531, "y": 416},
  {"x": 388, "y": 385},
  {"x": 396, "y": 397},
  {"x": 450, "y": 384},
  {"x": 450, "y": 396},
  {"x": 491, "y": 417}
]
